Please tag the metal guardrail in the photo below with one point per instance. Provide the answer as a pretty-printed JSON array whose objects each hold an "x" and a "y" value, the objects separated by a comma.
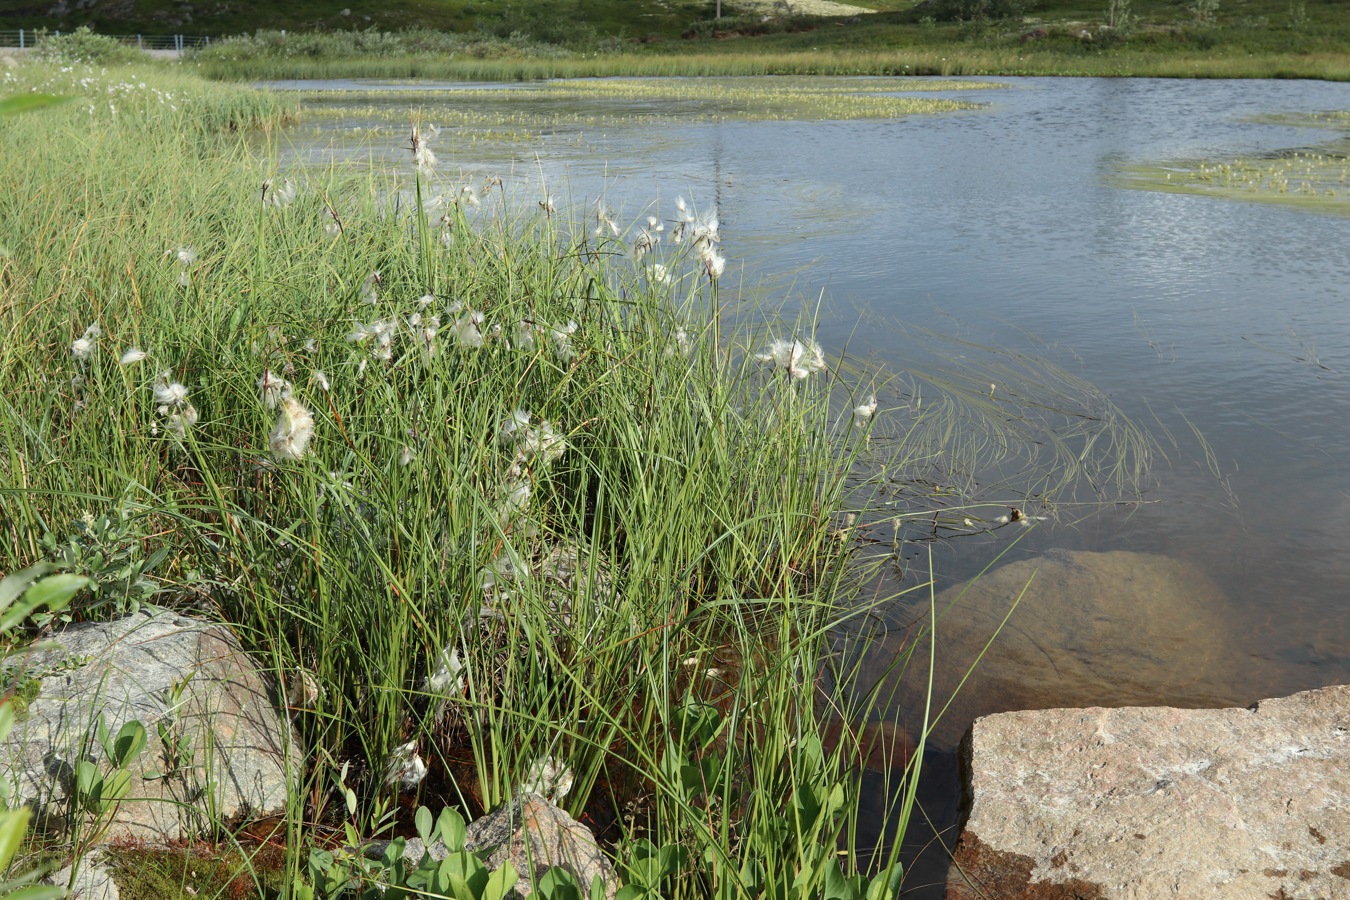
[{"x": 24, "y": 38}]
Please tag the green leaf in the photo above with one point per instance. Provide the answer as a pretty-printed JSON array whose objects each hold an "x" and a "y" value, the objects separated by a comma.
[
  {"x": 13, "y": 827},
  {"x": 394, "y": 851},
  {"x": 424, "y": 825},
  {"x": 459, "y": 888},
  {"x": 558, "y": 884},
  {"x": 14, "y": 584},
  {"x": 450, "y": 826},
  {"x": 37, "y": 892},
  {"x": 115, "y": 787},
  {"x": 130, "y": 742},
  {"x": 885, "y": 884},
  {"x": 500, "y": 882},
  {"x": 320, "y": 861},
  {"x": 54, "y": 592},
  {"x": 87, "y": 780},
  {"x": 840, "y": 887},
  {"x": 6, "y": 724},
  {"x": 154, "y": 559}
]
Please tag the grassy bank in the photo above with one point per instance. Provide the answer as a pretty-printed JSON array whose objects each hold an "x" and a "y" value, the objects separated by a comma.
[
  {"x": 484, "y": 486},
  {"x": 981, "y": 49}
]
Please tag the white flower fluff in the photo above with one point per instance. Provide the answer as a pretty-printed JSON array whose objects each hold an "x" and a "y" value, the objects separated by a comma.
[
  {"x": 404, "y": 767},
  {"x": 797, "y": 358},
  {"x": 863, "y": 413},
  {"x": 295, "y": 426}
]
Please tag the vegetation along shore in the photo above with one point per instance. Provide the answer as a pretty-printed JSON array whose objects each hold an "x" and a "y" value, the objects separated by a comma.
[{"x": 579, "y": 38}]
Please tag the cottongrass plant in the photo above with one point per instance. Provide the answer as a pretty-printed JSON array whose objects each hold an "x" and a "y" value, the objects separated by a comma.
[{"x": 509, "y": 509}]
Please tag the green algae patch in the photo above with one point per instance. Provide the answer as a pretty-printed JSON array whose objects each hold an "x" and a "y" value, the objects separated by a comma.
[{"x": 1312, "y": 178}]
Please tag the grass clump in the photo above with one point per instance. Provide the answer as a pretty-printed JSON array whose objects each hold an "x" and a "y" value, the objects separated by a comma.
[
  {"x": 1313, "y": 178},
  {"x": 492, "y": 492}
]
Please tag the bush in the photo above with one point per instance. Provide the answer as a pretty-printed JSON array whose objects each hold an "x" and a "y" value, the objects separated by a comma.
[
  {"x": 978, "y": 10},
  {"x": 84, "y": 46}
]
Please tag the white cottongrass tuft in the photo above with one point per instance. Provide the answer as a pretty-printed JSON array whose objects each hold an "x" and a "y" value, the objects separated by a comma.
[
  {"x": 424, "y": 159},
  {"x": 525, "y": 335},
  {"x": 82, "y": 348},
  {"x": 515, "y": 500},
  {"x": 549, "y": 778},
  {"x": 291, "y": 435},
  {"x": 543, "y": 443},
  {"x": 404, "y": 767},
  {"x": 370, "y": 288},
  {"x": 467, "y": 331},
  {"x": 279, "y": 195},
  {"x": 798, "y": 359},
  {"x": 133, "y": 355},
  {"x": 514, "y": 427},
  {"x": 170, "y": 394},
  {"x": 562, "y": 339},
  {"x": 681, "y": 344},
  {"x": 863, "y": 413},
  {"x": 273, "y": 388},
  {"x": 449, "y": 672},
  {"x": 714, "y": 264},
  {"x": 320, "y": 379}
]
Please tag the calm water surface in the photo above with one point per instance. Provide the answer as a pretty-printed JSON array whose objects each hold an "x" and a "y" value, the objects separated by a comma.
[{"x": 1001, "y": 226}]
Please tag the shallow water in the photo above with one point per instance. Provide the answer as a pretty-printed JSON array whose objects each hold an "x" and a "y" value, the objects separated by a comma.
[{"x": 1003, "y": 226}]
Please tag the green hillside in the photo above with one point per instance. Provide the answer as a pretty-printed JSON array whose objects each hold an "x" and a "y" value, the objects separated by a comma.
[{"x": 635, "y": 19}]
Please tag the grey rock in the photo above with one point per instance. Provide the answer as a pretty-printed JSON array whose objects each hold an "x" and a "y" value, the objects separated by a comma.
[
  {"x": 1090, "y": 629},
  {"x": 93, "y": 881},
  {"x": 1157, "y": 802},
  {"x": 242, "y": 753},
  {"x": 534, "y": 836}
]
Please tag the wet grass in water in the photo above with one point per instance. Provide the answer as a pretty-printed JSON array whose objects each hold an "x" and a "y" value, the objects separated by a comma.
[{"x": 1316, "y": 179}]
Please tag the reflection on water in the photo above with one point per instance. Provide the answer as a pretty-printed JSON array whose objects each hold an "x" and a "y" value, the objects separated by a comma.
[{"x": 1001, "y": 225}]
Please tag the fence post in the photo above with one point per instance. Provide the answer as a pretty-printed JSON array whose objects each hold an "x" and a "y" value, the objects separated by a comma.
[{"x": 21, "y": 39}]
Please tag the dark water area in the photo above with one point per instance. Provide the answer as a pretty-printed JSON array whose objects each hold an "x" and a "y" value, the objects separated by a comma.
[{"x": 1003, "y": 226}]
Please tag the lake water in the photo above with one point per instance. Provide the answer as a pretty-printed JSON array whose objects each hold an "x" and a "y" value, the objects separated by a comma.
[{"x": 1003, "y": 226}]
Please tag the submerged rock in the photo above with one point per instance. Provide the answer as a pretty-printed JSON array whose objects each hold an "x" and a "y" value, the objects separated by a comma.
[
  {"x": 1157, "y": 802},
  {"x": 1089, "y": 629}
]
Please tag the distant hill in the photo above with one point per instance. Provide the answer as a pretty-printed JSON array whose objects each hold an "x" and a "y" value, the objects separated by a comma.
[{"x": 634, "y": 19}]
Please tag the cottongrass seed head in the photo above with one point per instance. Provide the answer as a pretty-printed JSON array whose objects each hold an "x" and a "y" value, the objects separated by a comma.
[{"x": 291, "y": 435}]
